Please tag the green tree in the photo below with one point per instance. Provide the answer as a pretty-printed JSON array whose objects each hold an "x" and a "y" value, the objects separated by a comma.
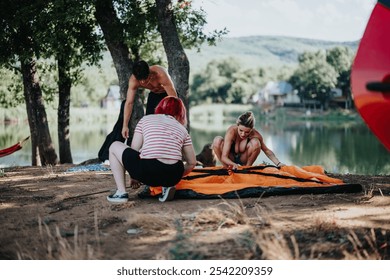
[
  {"x": 341, "y": 59},
  {"x": 21, "y": 43},
  {"x": 244, "y": 85},
  {"x": 11, "y": 88},
  {"x": 135, "y": 29},
  {"x": 213, "y": 84},
  {"x": 116, "y": 38},
  {"x": 224, "y": 81},
  {"x": 314, "y": 78},
  {"x": 70, "y": 38},
  {"x": 63, "y": 41},
  {"x": 65, "y": 32},
  {"x": 179, "y": 66}
]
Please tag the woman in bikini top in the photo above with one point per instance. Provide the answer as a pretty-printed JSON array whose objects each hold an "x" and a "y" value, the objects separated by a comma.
[
  {"x": 242, "y": 144},
  {"x": 237, "y": 155}
]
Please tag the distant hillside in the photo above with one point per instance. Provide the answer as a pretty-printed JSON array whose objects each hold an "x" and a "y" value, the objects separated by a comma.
[
  {"x": 251, "y": 52},
  {"x": 260, "y": 51}
]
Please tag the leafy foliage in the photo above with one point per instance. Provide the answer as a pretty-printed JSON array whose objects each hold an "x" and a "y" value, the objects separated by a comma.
[
  {"x": 11, "y": 89},
  {"x": 317, "y": 73},
  {"x": 191, "y": 23},
  {"x": 224, "y": 82},
  {"x": 69, "y": 36},
  {"x": 314, "y": 77},
  {"x": 341, "y": 59},
  {"x": 67, "y": 31},
  {"x": 139, "y": 19}
]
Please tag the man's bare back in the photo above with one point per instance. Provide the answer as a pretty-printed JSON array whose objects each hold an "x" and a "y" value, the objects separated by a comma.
[
  {"x": 154, "y": 81},
  {"x": 154, "y": 78}
]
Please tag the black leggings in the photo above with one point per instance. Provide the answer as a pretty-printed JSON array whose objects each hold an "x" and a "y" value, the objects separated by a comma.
[
  {"x": 116, "y": 133},
  {"x": 153, "y": 100},
  {"x": 152, "y": 172}
]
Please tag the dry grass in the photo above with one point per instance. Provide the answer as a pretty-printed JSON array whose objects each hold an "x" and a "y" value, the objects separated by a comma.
[
  {"x": 274, "y": 246},
  {"x": 325, "y": 227},
  {"x": 149, "y": 222},
  {"x": 229, "y": 230},
  {"x": 362, "y": 251},
  {"x": 325, "y": 224},
  {"x": 59, "y": 247},
  {"x": 214, "y": 218},
  {"x": 255, "y": 238},
  {"x": 368, "y": 195}
]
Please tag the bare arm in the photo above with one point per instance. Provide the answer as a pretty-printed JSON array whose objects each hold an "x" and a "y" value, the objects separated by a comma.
[
  {"x": 270, "y": 154},
  {"x": 166, "y": 81},
  {"x": 137, "y": 142},
  {"x": 227, "y": 143},
  {"x": 131, "y": 91},
  {"x": 190, "y": 159}
]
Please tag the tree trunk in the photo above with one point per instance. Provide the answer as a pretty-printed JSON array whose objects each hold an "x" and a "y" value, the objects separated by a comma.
[
  {"x": 43, "y": 152},
  {"x": 35, "y": 159},
  {"x": 63, "y": 112},
  {"x": 178, "y": 64},
  {"x": 113, "y": 34}
]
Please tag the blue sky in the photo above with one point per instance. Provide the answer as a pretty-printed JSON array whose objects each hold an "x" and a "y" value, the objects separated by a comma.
[{"x": 334, "y": 20}]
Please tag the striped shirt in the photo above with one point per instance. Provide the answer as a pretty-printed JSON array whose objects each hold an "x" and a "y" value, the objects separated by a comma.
[{"x": 163, "y": 137}]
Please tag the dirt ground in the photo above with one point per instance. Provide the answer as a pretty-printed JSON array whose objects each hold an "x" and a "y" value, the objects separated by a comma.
[{"x": 48, "y": 213}]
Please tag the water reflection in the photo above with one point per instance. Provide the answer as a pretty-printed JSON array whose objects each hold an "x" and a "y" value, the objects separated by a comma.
[
  {"x": 349, "y": 148},
  {"x": 338, "y": 147},
  {"x": 85, "y": 140}
]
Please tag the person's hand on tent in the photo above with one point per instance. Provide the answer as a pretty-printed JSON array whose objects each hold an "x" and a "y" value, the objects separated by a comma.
[{"x": 233, "y": 167}]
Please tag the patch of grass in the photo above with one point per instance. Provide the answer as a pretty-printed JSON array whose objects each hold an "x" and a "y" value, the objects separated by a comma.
[
  {"x": 230, "y": 232},
  {"x": 49, "y": 170},
  {"x": 325, "y": 224},
  {"x": 274, "y": 246},
  {"x": 149, "y": 222},
  {"x": 62, "y": 245},
  {"x": 183, "y": 248},
  {"x": 367, "y": 246}
]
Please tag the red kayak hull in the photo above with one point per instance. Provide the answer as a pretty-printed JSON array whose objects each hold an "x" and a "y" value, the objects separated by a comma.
[{"x": 372, "y": 65}]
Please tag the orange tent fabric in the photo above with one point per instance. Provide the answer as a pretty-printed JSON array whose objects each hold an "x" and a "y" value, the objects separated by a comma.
[{"x": 256, "y": 180}]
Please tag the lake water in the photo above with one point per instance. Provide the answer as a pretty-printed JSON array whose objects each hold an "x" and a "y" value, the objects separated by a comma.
[{"x": 340, "y": 147}]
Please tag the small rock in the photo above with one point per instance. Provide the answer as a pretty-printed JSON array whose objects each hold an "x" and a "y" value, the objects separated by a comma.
[{"x": 133, "y": 231}]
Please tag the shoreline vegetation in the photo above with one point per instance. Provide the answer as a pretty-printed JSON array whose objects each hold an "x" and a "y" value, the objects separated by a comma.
[
  {"x": 18, "y": 114},
  {"x": 90, "y": 126}
]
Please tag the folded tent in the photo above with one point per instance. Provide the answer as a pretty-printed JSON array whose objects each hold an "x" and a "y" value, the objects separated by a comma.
[{"x": 255, "y": 181}]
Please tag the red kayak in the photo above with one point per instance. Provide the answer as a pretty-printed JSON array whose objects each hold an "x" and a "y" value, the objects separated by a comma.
[{"x": 370, "y": 75}]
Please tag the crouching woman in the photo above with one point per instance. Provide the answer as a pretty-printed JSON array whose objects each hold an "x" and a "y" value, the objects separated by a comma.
[{"x": 161, "y": 151}]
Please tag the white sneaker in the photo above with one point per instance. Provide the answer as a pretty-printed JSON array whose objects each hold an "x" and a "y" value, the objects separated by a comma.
[
  {"x": 168, "y": 193},
  {"x": 116, "y": 198}
]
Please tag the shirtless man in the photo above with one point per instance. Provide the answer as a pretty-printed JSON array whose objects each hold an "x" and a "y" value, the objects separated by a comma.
[
  {"x": 154, "y": 78},
  {"x": 242, "y": 144}
]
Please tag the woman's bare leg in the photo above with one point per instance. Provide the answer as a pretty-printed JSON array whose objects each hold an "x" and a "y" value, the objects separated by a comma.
[
  {"x": 252, "y": 151},
  {"x": 115, "y": 157},
  {"x": 217, "y": 147}
]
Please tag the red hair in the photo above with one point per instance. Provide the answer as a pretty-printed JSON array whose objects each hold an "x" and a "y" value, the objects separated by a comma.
[{"x": 174, "y": 107}]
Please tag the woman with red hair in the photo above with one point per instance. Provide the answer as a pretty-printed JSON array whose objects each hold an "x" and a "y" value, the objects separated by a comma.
[{"x": 160, "y": 145}]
